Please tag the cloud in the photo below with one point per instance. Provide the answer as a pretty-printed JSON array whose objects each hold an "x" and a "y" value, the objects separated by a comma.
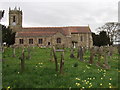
[{"x": 64, "y": 13}]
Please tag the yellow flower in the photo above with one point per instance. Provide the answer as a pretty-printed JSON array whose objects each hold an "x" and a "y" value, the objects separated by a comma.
[
  {"x": 77, "y": 78},
  {"x": 110, "y": 86},
  {"x": 101, "y": 78},
  {"x": 90, "y": 83},
  {"x": 104, "y": 70},
  {"x": 110, "y": 78},
  {"x": 90, "y": 78},
  {"x": 8, "y": 86},
  {"x": 87, "y": 81},
  {"x": 78, "y": 84},
  {"x": 18, "y": 72},
  {"x": 89, "y": 86},
  {"x": 83, "y": 87},
  {"x": 101, "y": 84},
  {"x": 109, "y": 83}
]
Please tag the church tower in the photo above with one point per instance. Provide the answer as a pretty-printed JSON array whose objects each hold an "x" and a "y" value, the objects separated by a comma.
[{"x": 15, "y": 19}]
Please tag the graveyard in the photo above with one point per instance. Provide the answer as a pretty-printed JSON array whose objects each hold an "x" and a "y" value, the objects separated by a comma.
[{"x": 36, "y": 67}]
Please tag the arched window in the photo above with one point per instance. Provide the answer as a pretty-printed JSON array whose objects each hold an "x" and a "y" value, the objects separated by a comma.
[
  {"x": 40, "y": 41},
  {"x": 81, "y": 38},
  {"x": 58, "y": 40},
  {"x": 21, "y": 41},
  {"x": 30, "y": 41},
  {"x": 13, "y": 18}
]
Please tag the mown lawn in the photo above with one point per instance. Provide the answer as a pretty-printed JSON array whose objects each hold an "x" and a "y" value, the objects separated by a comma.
[{"x": 40, "y": 71}]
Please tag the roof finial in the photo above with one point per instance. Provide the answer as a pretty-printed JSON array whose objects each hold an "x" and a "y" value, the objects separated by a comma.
[
  {"x": 19, "y": 8},
  {"x": 88, "y": 25},
  {"x": 9, "y": 8},
  {"x": 15, "y": 8}
]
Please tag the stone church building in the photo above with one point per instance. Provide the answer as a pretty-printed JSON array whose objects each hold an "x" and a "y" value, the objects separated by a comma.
[{"x": 47, "y": 36}]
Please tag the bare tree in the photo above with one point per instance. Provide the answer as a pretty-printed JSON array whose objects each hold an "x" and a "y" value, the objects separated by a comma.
[{"x": 111, "y": 28}]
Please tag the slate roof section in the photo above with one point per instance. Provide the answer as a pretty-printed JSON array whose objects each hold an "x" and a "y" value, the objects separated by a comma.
[{"x": 49, "y": 31}]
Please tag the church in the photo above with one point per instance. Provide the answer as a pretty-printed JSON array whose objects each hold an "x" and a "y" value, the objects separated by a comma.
[{"x": 68, "y": 36}]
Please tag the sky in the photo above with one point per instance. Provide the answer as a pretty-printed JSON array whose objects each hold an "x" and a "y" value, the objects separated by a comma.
[{"x": 45, "y": 13}]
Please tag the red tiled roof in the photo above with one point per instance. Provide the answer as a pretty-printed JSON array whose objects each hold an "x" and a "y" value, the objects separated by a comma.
[{"x": 48, "y": 31}]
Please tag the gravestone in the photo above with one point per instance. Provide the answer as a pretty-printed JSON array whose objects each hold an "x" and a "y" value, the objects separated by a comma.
[
  {"x": 99, "y": 54},
  {"x": 72, "y": 53},
  {"x": 81, "y": 53},
  {"x": 14, "y": 51},
  {"x": 62, "y": 63},
  {"x": 92, "y": 54},
  {"x": 118, "y": 49},
  {"x": 105, "y": 55},
  {"x": 29, "y": 53},
  {"x": 22, "y": 58},
  {"x": 55, "y": 58}
]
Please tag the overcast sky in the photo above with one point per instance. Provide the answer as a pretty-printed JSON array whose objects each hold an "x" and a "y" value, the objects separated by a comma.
[{"x": 36, "y": 13}]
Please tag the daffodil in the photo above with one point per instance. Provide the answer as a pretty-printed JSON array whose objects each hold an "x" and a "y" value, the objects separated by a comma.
[
  {"x": 18, "y": 72},
  {"x": 55, "y": 74},
  {"x": 78, "y": 84},
  {"x": 109, "y": 83},
  {"x": 110, "y": 86},
  {"x": 100, "y": 84},
  {"x": 104, "y": 70},
  {"x": 110, "y": 78},
  {"x": 83, "y": 87},
  {"x": 8, "y": 86}
]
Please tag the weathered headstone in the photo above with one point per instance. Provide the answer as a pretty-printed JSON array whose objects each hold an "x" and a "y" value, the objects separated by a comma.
[
  {"x": 92, "y": 54},
  {"x": 55, "y": 58},
  {"x": 62, "y": 63},
  {"x": 118, "y": 49},
  {"x": 99, "y": 52},
  {"x": 29, "y": 53},
  {"x": 72, "y": 53},
  {"x": 81, "y": 54},
  {"x": 105, "y": 54},
  {"x": 14, "y": 51},
  {"x": 22, "y": 58}
]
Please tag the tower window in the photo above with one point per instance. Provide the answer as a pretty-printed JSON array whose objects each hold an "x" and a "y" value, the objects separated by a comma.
[
  {"x": 40, "y": 41},
  {"x": 30, "y": 41},
  {"x": 81, "y": 38},
  {"x": 48, "y": 43},
  {"x": 21, "y": 41},
  {"x": 58, "y": 40},
  {"x": 13, "y": 18}
]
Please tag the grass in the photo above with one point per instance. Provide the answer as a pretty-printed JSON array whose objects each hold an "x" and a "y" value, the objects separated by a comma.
[{"x": 40, "y": 71}]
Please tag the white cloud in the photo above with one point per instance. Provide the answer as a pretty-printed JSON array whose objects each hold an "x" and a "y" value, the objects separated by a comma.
[{"x": 65, "y": 13}]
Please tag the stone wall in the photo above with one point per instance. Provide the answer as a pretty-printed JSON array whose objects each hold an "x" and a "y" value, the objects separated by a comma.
[{"x": 65, "y": 41}]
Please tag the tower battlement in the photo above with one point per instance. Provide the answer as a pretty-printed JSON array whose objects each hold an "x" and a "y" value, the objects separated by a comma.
[{"x": 15, "y": 19}]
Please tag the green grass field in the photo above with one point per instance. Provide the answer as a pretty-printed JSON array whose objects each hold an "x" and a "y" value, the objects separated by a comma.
[{"x": 40, "y": 71}]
